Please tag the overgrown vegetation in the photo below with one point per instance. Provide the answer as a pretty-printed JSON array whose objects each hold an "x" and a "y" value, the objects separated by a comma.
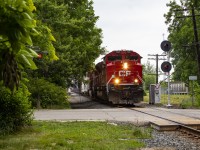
[
  {"x": 193, "y": 99},
  {"x": 178, "y": 101},
  {"x": 64, "y": 32},
  {"x": 15, "y": 111},
  {"x": 149, "y": 77},
  {"x": 47, "y": 95},
  {"x": 77, "y": 135}
]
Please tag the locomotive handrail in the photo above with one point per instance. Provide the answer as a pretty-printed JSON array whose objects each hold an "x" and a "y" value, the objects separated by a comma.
[
  {"x": 140, "y": 78},
  {"x": 108, "y": 83}
]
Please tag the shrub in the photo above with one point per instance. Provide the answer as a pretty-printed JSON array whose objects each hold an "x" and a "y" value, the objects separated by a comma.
[
  {"x": 197, "y": 94},
  {"x": 194, "y": 100},
  {"x": 15, "y": 111},
  {"x": 47, "y": 95},
  {"x": 187, "y": 103}
]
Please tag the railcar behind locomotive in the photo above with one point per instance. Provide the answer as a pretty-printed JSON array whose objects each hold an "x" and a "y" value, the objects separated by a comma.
[{"x": 118, "y": 78}]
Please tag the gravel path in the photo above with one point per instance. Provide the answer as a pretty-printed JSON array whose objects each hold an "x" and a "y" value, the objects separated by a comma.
[{"x": 170, "y": 141}]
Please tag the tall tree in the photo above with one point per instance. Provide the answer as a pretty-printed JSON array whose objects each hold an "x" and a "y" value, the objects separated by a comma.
[
  {"x": 78, "y": 39},
  {"x": 181, "y": 29}
]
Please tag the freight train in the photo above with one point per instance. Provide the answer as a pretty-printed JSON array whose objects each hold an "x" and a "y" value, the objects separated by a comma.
[{"x": 118, "y": 78}]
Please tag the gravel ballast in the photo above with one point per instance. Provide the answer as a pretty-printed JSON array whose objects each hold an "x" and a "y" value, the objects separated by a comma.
[{"x": 170, "y": 141}]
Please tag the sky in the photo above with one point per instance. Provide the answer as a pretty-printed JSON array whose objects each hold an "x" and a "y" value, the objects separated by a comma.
[{"x": 137, "y": 25}]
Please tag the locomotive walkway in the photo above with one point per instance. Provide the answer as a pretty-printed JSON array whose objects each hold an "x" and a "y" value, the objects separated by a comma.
[{"x": 138, "y": 116}]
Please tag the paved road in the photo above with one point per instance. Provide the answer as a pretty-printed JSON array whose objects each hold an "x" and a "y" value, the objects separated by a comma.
[
  {"x": 94, "y": 111},
  {"x": 108, "y": 113},
  {"x": 114, "y": 114},
  {"x": 117, "y": 114}
]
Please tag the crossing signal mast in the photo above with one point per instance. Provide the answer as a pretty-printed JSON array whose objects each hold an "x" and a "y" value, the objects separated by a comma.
[{"x": 166, "y": 65}]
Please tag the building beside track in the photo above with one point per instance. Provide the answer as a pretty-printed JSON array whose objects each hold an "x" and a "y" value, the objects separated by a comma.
[{"x": 176, "y": 88}]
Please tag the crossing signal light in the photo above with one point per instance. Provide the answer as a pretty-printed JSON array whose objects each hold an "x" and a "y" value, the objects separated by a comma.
[
  {"x": 166, "y": 66},
  {"x": 165, "y": 46}
]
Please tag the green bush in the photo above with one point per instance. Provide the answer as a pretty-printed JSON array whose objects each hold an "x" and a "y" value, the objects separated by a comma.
[
  {"x": 197, "y": 94},
  {"x": 187, "y": 103},
  {"x": 47, "y": 95},
  {"x": 15, "y": 111}
]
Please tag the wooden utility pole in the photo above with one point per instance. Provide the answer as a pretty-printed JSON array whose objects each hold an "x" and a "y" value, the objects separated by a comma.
[
  {"x": 196, "y": 39},
  {"x": 196, "y": 43},
  {"x": 156, "y": 55}
]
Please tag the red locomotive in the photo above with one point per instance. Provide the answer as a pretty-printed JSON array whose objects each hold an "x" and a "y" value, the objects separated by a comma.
[{"x": 118, "y": 78}]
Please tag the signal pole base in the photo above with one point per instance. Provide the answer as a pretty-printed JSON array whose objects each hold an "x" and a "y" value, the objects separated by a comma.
[{"x": 169, "y": 105}]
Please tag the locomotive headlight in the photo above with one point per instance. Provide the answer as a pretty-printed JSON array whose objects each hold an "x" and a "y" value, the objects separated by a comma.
[
  {"x": 136, "y": 80},
  {"x": 125, "y": 65},
  {"x": 116, "y": 81}
]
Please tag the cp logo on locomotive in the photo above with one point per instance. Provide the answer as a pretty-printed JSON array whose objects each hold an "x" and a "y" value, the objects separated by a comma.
[{"x": 123, "y": 73}]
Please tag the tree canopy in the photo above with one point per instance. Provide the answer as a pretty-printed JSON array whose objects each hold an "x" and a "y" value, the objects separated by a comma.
[
  {"x": 62, "y": 30},
  {"x": 181, "y": 35},
  {"x": 78, "y": 40},
  {"x": 17, "y": 29}
]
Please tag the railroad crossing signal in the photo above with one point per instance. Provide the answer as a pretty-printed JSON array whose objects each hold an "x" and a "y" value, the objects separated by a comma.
[
  {"x": 165, "y": 46},
  {"x": 166, "y": 66}
]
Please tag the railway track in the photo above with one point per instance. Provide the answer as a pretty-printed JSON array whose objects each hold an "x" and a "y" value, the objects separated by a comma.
[
  {"x": 190, "y": 132},
  {"x": 187, "y": 130}
]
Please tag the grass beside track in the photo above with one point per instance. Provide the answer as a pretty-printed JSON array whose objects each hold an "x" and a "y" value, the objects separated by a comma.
[
  {"x": 176, "y": 100},
  {"x": 76, "y": 136}
]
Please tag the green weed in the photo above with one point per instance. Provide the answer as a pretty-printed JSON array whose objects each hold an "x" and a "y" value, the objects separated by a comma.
[{"x": 76, "y": 136}]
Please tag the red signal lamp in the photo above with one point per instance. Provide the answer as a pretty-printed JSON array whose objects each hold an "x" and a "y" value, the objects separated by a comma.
[
  {"x": 39, "y": 56},
  {"x": 165, "y": 46},
  {"x": 166, "y": 66}
]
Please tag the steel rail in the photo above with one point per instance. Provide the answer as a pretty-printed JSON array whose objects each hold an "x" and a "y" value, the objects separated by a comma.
[
  {"x": 181, "y": 126},
  {"x": 176, "y": 113},
  {"x": 190, "y": 130}
]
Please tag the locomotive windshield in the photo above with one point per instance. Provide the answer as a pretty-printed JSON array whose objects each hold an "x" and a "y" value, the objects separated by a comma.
[
  {"x": 113, "y": 58},
  {"x": 132, "y": 57}
]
